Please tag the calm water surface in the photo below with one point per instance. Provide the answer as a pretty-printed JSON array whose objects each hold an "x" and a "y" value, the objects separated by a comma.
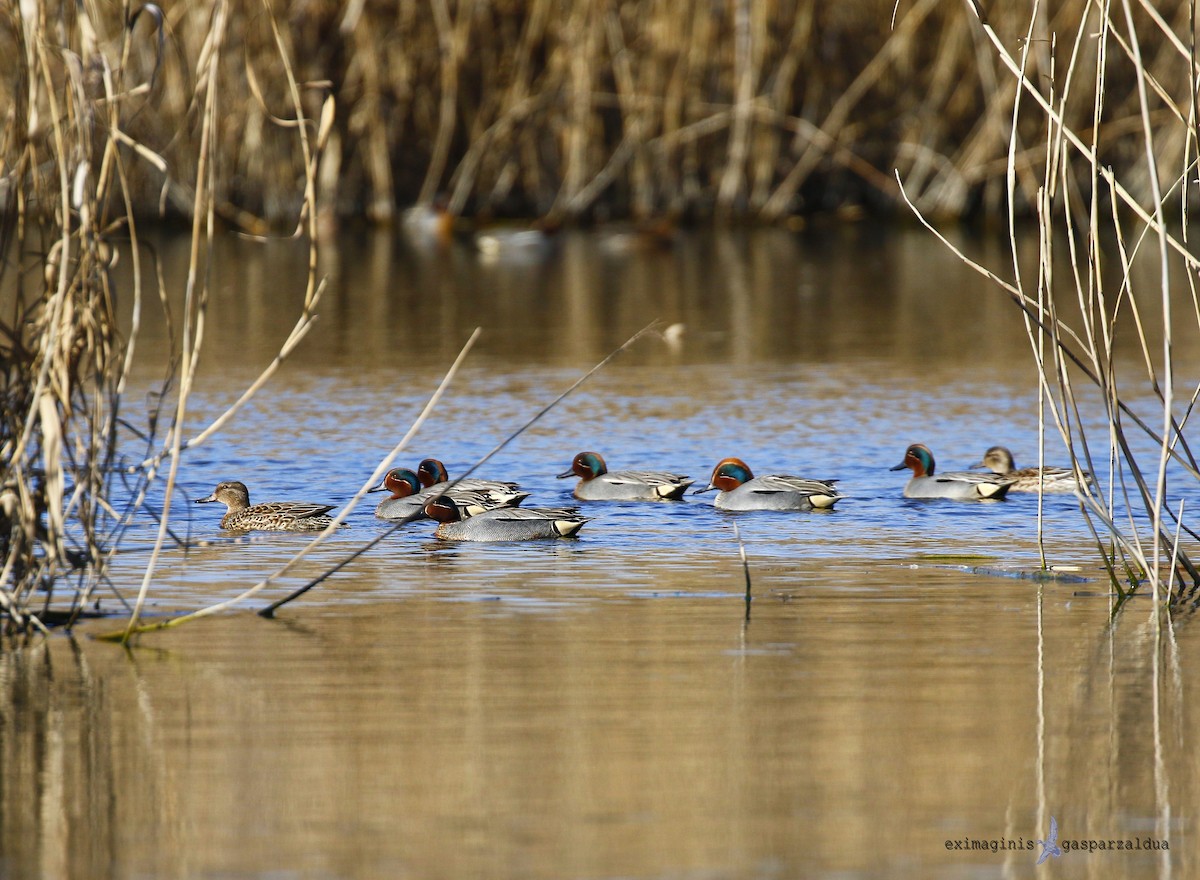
[{"x": 600, "y": 708}]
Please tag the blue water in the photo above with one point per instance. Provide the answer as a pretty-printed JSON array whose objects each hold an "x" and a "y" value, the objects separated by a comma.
[{"x": 822, "y": 355}]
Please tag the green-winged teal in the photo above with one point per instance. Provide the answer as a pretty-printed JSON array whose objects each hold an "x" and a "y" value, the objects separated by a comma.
[
  {"x": 739, "y": 489},
  {"x": 408, "y": 498},
  {"x": 432, "y": 472},
  {"x": 509, "y": 243},
  {"x": 429, "y": 226},
  {"x": 999, "y": 460},
  {"x": 503, "y": 523},
  {"x": 958, "y": 485},
  {"x": 598, "y": 484},
  {"x": 273, "y": 516}
]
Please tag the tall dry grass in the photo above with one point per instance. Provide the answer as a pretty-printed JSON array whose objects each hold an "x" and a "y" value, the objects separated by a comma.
[
  {"x": 586, "y": 109},
  {"x": 73, "y": 173}
]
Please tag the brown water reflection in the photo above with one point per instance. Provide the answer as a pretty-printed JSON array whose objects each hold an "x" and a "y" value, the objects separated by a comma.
[
  {"x": 598, "y": 707},
  {"x": 841, "y": 294},
  {"x": 836, "y": 734}
]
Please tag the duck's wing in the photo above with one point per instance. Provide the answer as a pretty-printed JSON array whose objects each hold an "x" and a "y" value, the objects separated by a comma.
[
  {"x": 646, "y": 478},
  {"x": 773, "y": 483},
  {"x": 294, "y": 509},
  {"x": 474, "y": 501},
  {"x": 524, "y": 514},
  {"x": 1063, "y": 475},
  {"x": 1050, "y": 473},
  {"x": 975, "y": 477},
  {"x": 1058, "y": 472},
  {"x": 495, "y": 486}
]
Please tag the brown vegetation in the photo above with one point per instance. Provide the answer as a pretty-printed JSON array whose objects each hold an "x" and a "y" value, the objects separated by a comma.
[
  {"x": 582, "y": 109},
  {"x": 72, "y": 179}
]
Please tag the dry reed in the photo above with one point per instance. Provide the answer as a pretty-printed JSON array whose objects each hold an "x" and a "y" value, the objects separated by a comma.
[
  {"x": 78, "y": 88},
  {"x": 582, "y": 110},
  {"x": 1102, "y": 216}
]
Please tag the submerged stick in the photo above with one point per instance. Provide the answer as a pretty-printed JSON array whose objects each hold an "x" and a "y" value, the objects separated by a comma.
[
  {"x": 745, "y": 568},
  {"x": 374, "y": 479},
  {"x": 269, "y": 610}
]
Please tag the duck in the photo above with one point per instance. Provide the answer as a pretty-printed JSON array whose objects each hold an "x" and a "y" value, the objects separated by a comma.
[
  {"x": 518, "y": 245},
  {"x": 958, "y": 485},
  {"x": 429, "y": 226},
  {"x": 504, "y": 523},
  {"x": 999, "y": 460},
  {"x": 739, "y": 489},
  {"x": 409, "y": 499},
  {"x": 273, "y": 516},
  {"x": 645, "y": 236},
  {"x": 431, "y": 472},
  {"x": 597, "y": 484}
]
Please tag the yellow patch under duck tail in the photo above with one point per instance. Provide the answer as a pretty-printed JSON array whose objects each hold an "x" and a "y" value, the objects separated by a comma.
[
  {"x": 568, "y": 527},
  {"x": 673, "y": 490},
  {"x": 992, "y": 490},
  {"x": 823, "y": 502}
]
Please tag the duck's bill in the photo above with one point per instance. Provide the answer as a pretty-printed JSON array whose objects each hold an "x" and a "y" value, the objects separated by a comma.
[{"x": 564, "y": 476}]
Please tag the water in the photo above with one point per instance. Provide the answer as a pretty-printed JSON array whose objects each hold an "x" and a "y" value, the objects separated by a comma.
[{"x": 600, "y": 707}]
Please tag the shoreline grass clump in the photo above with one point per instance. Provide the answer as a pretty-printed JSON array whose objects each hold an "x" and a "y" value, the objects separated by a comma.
[
  {"x": 59, "y": 409},
  {"x": 74, "y": 87},
  {"x": 64, "y": 357}
]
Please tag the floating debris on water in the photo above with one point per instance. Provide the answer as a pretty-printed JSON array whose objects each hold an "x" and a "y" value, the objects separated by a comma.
[{"x": 1044, "y": 575}]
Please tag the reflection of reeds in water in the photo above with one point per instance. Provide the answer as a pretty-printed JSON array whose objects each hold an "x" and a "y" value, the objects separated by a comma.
[
  {"x": 577, "y": 109},
  {"x": 1104, "y": 216}
]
